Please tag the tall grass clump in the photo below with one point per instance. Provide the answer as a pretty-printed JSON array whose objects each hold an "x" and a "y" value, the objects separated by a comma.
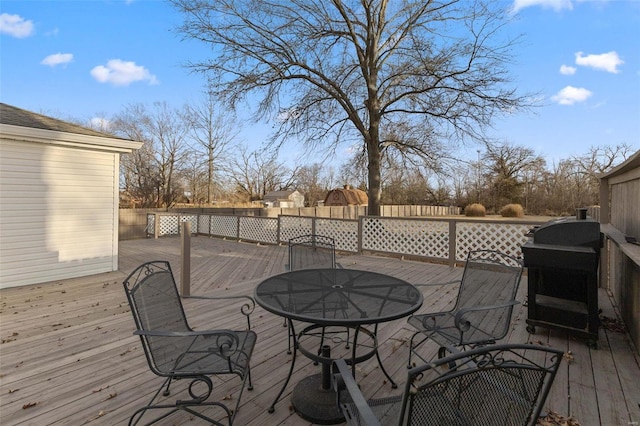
[
  {"x": 512, "y": 210},
  {"x": 475, "y": 210}
]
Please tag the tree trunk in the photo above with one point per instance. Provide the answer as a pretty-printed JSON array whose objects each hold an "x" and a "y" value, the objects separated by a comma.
[
  {"x": 375, "y": 187},
  {"x": 210, "y": 177}
]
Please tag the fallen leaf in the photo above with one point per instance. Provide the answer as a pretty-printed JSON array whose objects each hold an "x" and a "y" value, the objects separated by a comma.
[
  {"x": 29, "y": 405},
  {"x": 613, "y": 324},
  {"x": 555, "y": 419},
  {"x": 568, "y": 356}
]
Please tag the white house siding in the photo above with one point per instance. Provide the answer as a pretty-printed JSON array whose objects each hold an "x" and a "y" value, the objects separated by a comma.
[{"x": 58, "y": 212}]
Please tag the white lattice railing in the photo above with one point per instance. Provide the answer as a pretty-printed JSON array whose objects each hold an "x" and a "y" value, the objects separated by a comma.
[
  {"x": 500, "y": 236},
  {"x": 160, "y": 224},
  {"x": 223, "y": 226},
  {"x": 261, "y": 229},
  {"x": 344, "y": 232},
  {"x": 435, "y": 238},
  {"x": 411, "y": 237},
  {"x": 294, "y": 226}
]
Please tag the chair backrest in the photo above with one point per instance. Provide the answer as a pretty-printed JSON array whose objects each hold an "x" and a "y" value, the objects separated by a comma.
[
  {"x": 311, "y": 251},
  {"x": 492, "y": 385},
  {"x": 156, "y": 306},
  {"x": 489, "y": 278}
]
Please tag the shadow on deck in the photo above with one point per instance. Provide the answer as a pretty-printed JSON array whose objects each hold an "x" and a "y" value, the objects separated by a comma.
[{"x": 68, "y": 355}]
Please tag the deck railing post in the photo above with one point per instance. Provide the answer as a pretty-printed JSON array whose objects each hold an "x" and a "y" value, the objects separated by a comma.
[
  {"x": 452, "y": 243},
  {"x": 360, "y": 228},
  {"x": 156, "y": 226},
  {"x": 185, "y": 259}
]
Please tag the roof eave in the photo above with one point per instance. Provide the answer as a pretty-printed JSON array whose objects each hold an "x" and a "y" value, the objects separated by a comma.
[
  {"x": 632, "y": 162},
  {"x": 53, "y": 137}
]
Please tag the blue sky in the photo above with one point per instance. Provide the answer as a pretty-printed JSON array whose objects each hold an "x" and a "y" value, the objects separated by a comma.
[{"x": 87, "y": 59}]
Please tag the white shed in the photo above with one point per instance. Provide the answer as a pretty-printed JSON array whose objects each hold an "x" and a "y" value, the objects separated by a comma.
[
  {"x": 59, "y": 193},
  {"x": 284, "y": 199}
]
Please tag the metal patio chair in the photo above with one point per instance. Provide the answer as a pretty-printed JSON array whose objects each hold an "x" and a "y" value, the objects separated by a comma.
[
  {"x": 483, "y": 308},
  {"x": 175, "y": 351},
  {"x": 491, "y": 385},
  {"x": 310, "y": 251}
]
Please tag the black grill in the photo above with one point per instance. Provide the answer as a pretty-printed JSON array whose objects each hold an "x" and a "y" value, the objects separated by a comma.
[{"x": 562, "y": 258}]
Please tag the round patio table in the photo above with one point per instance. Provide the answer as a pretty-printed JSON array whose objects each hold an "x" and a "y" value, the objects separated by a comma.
[{"x": 325, "y": 298}]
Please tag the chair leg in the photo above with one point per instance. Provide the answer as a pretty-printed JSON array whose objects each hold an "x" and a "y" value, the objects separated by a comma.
[
  {"x": 413, "y": 346},
  {"x": 250, "y": 386},
  {"x": 189, "y": 405},
  {"x": 442, "y": 352}
]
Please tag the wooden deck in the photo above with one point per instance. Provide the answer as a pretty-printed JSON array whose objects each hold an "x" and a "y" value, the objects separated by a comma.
[{"x": 68, "y": 355}]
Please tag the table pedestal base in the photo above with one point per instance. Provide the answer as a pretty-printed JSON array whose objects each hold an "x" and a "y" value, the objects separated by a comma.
[{"x": 315, "y": 404}]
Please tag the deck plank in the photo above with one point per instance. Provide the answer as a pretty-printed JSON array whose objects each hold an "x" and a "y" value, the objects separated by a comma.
[{"x": 67, "y": 346}]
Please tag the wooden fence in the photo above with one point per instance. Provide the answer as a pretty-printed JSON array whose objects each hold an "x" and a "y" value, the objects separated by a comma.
[{"x": 133, "y": 222}]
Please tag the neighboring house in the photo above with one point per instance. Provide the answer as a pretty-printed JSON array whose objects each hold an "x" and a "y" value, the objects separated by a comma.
[
  {"x": 620, "y": 221},
  {"x": 346, "y": 196},
  {"x": 59, "y": 194},
  {"x": 284, "y": 199}
]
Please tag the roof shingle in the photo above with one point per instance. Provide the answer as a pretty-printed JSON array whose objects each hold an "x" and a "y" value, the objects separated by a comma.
[{"x": 19, "y": 117}]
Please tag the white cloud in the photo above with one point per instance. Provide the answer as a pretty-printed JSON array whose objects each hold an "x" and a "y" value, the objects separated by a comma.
[
  {"x": 606, "y": 61},
  {"x": 122, "y": 73},
  {"x": 556, "y": 5},
  {"x": 15, "y": 26},
  {"x": 100, "y": 124},
  {"x": 57, "y": 59},
  {"x": 567, "y": 70},
  {"x": 570, "y": 95}
]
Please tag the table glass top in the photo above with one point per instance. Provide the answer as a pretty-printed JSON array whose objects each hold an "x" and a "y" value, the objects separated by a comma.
[{"x": 338, "y": 296}]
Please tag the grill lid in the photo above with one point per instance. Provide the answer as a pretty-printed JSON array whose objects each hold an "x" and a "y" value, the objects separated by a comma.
[{"x": 569, "y": 231}]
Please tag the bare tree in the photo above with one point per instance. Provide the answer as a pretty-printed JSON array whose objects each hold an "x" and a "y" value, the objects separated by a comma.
[
  {"x": 534, "y": 177},
  {"x": 576, "y": 182},
  {"x": 314, "y": 182},
  {"x": 508, "y": 165},
  {"x": 140, "y": 179},
  {"x": 195, "y": 172},
  {"x": 353, "y": 172},
  {"x": 213, "y": 129},
  {"x": 415, "y": 76},
  {"x": 255, "y": 174},
  {"x": 598, "y": 160},
  {"x": 154, "y": 170}
]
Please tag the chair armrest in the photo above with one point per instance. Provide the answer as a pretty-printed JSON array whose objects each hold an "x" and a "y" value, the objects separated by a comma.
[
  {"x": 464, "y": 325},
  {"x": 343, "y": 380},
  {"x": 246, "y": 309},
  {"x": 227, "y": 341},
  {"x": 437, "y": 284},
  {"x": 204, "y": 333}
]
